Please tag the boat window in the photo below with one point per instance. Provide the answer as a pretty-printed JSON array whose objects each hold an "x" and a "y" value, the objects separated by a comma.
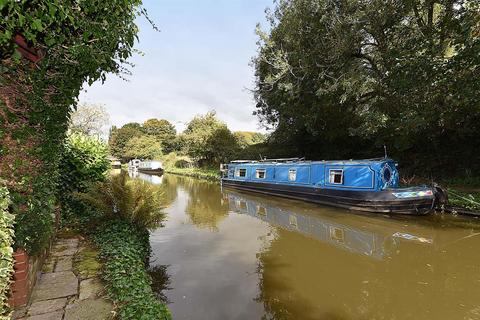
[
  {"x": 336, "y": 176},
  {"x": 241, "y": 173},
  {"x": 260, "y": 174},
  {"x": 292, "y": 174},
  {"x": 386, "y": 174}
]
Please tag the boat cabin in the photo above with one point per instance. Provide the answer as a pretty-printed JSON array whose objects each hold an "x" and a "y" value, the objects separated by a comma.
[{"x": 361, "y": 175}]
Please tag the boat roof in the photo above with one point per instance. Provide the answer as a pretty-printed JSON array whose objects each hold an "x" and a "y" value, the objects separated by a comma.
[{"x": 300, "y": 161}]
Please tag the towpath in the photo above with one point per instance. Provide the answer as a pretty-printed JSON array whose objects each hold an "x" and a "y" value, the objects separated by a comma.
[{"x": 69, "y": 287}]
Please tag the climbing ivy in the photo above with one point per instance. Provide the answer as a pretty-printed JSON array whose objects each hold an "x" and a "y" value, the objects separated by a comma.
[{"x": 48, "y": 50}]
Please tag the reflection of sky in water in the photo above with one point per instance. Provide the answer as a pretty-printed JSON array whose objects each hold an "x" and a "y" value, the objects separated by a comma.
[
  {"x": 213, "y": 273},
  {"x": 152, "y": 178}
]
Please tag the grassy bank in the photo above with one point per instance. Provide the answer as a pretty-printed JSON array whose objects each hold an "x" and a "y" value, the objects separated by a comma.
[{"x": 201, "y": 173}]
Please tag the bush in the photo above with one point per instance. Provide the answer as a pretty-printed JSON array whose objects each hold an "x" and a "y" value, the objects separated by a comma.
[
  {"x": 35, "y": 215},
  {"x": 84, "y": 161},
  {"x": 173, "y": 160},
  {"x": 135, "y": 201},
  {"x": 6, "y": 259},
  {"x": 124, "y": 251}
]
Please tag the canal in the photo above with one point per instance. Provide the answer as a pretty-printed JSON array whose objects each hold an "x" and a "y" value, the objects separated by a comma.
[{"x": 223, "y": 254}]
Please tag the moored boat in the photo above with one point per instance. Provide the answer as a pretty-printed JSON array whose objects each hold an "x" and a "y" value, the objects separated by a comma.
[
  {"x": 365, "y": 185},
  {"x": 150, "y": 166}
]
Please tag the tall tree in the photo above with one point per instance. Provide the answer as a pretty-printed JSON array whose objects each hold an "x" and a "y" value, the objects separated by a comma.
[
  {"x": 89, "y": 119},
  {"x": 342, "y": 78},
  {"x": 208, "y": 140},
  {"x": 119, "y": 138},
  {"x": 163, "y": 130},
  {"x": 143, "y": 147}
]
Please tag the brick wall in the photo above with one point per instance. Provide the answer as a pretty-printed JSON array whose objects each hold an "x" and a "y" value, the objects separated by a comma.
[
  {"x": 26, "y": 273},
  {"x": 19, "y": 285}
]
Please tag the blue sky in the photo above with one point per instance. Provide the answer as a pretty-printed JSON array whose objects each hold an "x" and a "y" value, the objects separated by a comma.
[{"x": 199, "y": 61}]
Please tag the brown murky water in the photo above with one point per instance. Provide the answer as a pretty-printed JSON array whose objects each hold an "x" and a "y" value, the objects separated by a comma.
[{"x": 230, "y": 255}]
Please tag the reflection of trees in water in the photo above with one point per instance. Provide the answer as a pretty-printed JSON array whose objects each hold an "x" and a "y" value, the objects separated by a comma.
[
  {"x": 205, "y": 207},
  {"x": 167, "y": 190},
  {"x": 276, "y": 295},
  {"x": 160, "y": 281},
  {"x": 300, "y": 278}
]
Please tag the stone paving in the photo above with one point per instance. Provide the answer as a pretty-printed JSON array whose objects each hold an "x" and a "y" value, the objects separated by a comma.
[{"x": 68, "y": 288}]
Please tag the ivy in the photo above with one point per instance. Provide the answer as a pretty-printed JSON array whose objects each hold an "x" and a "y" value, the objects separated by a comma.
[
  {"x": 124, "y": 251},
  {"x": 6, "y": 259},
  {"x": 68, "y": 43}
]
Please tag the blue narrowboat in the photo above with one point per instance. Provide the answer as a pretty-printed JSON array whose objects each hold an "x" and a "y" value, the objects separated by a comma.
[{"x": 365, "y": 185}]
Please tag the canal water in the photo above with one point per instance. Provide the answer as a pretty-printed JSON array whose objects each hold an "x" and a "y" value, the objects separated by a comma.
[{"x": 224, "y": 254}]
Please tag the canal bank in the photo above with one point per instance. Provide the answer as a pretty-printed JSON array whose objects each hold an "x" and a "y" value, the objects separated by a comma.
[
  {"x": 225, "y": 254},
  {"x": 199, "y": 173}
]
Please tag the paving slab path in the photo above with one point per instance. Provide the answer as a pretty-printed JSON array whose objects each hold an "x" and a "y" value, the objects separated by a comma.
[{"x": 69, "y": 287}]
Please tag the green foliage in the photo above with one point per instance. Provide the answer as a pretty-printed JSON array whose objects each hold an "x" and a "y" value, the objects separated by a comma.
[
  {"x": 96, "y": 36},
  {"x": 208, "y": 140},
  {"x": 135, "y": 201},
  {"x": 338, "y": 79},
  {"x": 173, "y": 160},
  {"x": 119, "y": 138},
  {"x": 35, "y": 216},
  {"x": 132, "y": 139},
  {"x": 124, "y": 250},
  {"x": 143, "y": 147},
  {"x": 78, "y": 42},
  {"x": 467, "y": 200},
  {"x": 6, "y": 251},
  {"x": 201, "y": 173},
  {"x": 164, "y": 131},
  {"x": 84, "y": 161},
  {"x": 248, "y": 138}
]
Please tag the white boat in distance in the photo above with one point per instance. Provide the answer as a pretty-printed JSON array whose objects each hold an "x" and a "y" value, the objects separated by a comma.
[{"x": 150, "y": 166}]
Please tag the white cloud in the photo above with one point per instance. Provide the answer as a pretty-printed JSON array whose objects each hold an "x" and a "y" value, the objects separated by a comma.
[{"x": 187, "y": 70}]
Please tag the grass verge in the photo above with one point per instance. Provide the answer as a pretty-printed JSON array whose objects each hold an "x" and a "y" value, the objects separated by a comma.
[{"x": 206, "y": 174}]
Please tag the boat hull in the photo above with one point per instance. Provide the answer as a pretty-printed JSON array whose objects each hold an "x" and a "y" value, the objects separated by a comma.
[
  {"x": 150, "y": 170},
  {"x": 371, "y": 201}
]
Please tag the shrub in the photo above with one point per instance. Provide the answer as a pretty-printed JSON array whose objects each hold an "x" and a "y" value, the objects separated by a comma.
[
  {"x": 132, "y": 200},
  {"x": 6, "y": 259},
  {"x": 84, "y": 161},
  {"x": 124, "y": 250},
  {"x": 35, "y": 215}
]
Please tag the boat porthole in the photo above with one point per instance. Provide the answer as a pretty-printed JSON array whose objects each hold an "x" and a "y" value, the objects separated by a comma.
[{"x": 386, "y": 174}]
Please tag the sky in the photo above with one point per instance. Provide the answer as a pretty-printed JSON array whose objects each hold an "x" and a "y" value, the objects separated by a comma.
[{"x": 199, "y": 61}]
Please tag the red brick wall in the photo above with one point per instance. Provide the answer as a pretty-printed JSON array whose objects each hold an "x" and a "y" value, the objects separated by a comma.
[{"x": 19, "y": 285}]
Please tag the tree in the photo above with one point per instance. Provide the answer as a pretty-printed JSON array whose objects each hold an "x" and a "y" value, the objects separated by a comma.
[
  {"x": 89, "y": 119},
  {"x": 342, "y": 78},
  {"x": 248, "y": 138},
  {"x": 119, "y": 138},
  {"x": 208, "y": 140},
  {"x": 164, "y": 131},
  {"x": 143, "y": 147}
]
